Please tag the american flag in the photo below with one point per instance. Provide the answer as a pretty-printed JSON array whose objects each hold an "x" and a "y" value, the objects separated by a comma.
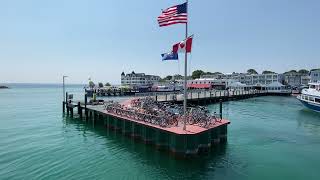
[{"x": 174, "y": 15}]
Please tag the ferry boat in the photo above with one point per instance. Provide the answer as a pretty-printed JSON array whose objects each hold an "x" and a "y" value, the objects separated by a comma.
[{"x": 311, "y": 97}]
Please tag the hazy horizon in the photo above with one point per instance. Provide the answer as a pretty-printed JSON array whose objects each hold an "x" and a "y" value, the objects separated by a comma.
[{"x": 41, "y": 40}]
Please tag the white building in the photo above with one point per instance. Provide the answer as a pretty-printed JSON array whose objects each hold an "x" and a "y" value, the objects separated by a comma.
[
  {"x": 296, "y": 79},
  {"x": 249, "y": 79},
  {"x": 207, "y": 83},
  {"x": 239, "y": 86},
  {"x": 277, "y": 88},
  {"x": 305, "y": 80},
  {"x": 138, "y": 79},
  {"x": 292, "y": 79},
  {"x": 315, "y": 76}
]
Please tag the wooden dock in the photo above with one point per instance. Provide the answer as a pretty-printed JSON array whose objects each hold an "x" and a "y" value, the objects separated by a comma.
[
  {"x": 204, "y": 97},
  {"x": 194, "y": 140}
]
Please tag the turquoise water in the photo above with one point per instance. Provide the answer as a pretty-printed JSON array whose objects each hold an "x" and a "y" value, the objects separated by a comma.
[{"x": 269, "y": 138}]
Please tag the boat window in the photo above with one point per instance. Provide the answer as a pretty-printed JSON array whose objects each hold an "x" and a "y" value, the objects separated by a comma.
[
  {"x": 317, "y": 100},
  {"x": 311, "y": 98},
  {"x": 312, "y": 86}
]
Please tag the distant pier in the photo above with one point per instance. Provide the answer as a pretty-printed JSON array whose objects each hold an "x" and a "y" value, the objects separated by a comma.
[{"x": 201, "y": 97}]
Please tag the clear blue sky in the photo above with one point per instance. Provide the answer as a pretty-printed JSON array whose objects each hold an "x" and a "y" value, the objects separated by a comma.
[{"x": 42, "y": 40}]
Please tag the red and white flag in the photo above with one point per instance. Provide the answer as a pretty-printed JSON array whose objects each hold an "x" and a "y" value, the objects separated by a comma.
[{"x": 183, "y": 46}]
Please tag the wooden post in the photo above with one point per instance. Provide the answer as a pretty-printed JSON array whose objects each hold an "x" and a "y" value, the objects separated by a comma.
[
  {"x": 79, "y": 109},
  {"x": 63, "y": 107},
  {"x": 93, "y": 118},
  {"x": 71, "y": 111},
  {"x": 220, "y": 108},
  {"x": 67, "y": 97},
  {"x": 85, "y": 106},
  {"x": 67, "y": 103}
]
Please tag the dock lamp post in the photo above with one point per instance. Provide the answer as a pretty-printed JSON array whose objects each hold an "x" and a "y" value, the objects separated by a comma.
[{"x": 63, "y": 86}]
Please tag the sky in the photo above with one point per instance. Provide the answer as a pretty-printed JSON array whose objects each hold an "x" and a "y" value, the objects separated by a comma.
[{"x": 40, "y": 41}]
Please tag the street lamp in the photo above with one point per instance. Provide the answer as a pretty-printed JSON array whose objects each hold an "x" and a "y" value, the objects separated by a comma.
[{"x": 63, "y": 86}]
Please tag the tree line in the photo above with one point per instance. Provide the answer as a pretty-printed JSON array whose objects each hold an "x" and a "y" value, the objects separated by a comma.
[{"x": 198, "y": 73}]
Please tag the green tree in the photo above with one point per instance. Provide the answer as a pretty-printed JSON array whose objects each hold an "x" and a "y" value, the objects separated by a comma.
[
  {"x": 303, "y": 71},
  {"x": 252, "y": 71},
  {"x": 196, "y": 74},
  {"x": 107, "y": 84},
  {"x": 91, "y": 84},
  {"x": 315, "y": 69},
  {"x": 177, "y": 76},
  {"x": 100, "y": 84},
  {"x": 168, "y": 78},
  {"x": 208, "y": 73},
  {"x": 267, "y": 72},
  {"x": 291, "y": 71}
]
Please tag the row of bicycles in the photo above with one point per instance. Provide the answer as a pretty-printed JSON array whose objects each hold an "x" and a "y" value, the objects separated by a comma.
[{"x": 162, "y": 114}]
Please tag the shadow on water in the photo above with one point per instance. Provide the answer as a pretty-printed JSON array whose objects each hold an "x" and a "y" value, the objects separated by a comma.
[{"x": 192, "y": 168}]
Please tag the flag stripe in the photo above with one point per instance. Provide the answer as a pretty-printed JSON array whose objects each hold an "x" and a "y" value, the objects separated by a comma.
[
  {"x": 177, "y": 15},
  {"x": 172, "y": 19},
  {"x": 173, "y": 15},
  {"x": 175, "y": 22}
]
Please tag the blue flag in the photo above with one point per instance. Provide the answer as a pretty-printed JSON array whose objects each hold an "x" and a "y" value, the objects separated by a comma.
[{"x": 170, "y": 56}]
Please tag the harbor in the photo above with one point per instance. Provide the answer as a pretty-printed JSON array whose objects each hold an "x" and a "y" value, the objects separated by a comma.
[
  {"x": 175, "y": 89},
  {"x": 284, "y": 133}
]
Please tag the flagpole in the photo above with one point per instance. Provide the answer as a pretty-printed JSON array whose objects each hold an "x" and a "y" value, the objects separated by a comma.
[{"x": 185, "y": 79}]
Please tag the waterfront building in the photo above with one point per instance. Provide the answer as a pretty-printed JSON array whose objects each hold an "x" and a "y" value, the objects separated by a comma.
[
  {"x": 249, "y": 79},
  {"x": 277, "y": 88},
  {"x": 239, "y": 86},
  {"x": 305, "y": 80},
  {"x": 292, "y": 79},
  {"x": 315, "y": 76},
  {"x": 138, "y": 79},
  {"x": 207, "y": 83}
]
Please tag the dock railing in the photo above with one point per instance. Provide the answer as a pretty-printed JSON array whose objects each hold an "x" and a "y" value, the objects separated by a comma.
[{"x": 200, "y": 94}]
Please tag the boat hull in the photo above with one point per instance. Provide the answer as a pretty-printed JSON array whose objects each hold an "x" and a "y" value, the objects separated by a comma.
[{"x": 310, "y": 105}]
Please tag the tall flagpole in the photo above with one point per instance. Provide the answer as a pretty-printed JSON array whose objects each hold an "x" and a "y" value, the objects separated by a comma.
[{"x": 185, "y": 78}]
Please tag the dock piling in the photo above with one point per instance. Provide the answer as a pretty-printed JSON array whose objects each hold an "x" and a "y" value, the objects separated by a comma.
[
  {"x": 220, "y": 109},
  {"x": 85, "y": 106},
  {"x": 71, "y": 112},
  {"x": 79, "y": 109}
]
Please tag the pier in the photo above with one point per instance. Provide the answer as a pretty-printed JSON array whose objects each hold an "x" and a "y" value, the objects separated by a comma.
[
  {"x": 194, "y": 140},
  {"x": 202, "y": 97},
  {"x": 191, "y": 141}
]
